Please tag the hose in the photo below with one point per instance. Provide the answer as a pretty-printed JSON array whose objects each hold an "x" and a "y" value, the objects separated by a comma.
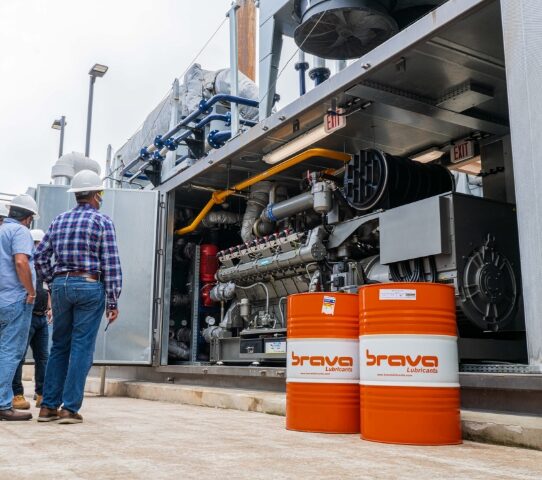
[
  {"x": 264, "y": 286},
  {"x": 257, "y": 201},
  {"x": 433, "y": 269}
]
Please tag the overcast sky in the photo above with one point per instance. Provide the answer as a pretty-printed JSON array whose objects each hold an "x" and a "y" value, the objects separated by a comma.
[{"x": 47, "y": 49}]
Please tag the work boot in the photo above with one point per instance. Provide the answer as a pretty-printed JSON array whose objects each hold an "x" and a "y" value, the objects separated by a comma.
[
  {"x": 48, "y": 414},
  {"x": 12, "y": 415},
  {"x": 67, "y": 417},
  {"x": 38, "y": 399},
  {"x": 20, "y": 403}
]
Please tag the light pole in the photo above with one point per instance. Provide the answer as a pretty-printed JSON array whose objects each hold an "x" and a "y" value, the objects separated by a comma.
[
  {"x": 97, "y": 71},
  {"x": 59, "y": 125}
]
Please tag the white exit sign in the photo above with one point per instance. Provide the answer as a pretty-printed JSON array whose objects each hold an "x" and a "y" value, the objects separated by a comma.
[
  {"x": 462, "y": 151},
  {"x": 334, "y": 121}
]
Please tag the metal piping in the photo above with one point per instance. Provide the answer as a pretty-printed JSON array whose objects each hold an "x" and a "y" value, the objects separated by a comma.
[
  {"x": 226, "y": 118},
  {"x": 204, "y": 106},
  {"x": 257, "y": 200},
  {"x": 234, "y": 68},
  {"x": 221, "y": 218},
  {"x": 277, "y": 211},
  {"x": 302, "y": 66},
  {"x": 219, "y": 196},
  {"x": 217, "y": 139}
]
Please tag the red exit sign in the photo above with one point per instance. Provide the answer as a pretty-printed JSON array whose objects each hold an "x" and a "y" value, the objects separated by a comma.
[
  {"x": 462, "y": 151},
  {"x": 334, "y": 121}
]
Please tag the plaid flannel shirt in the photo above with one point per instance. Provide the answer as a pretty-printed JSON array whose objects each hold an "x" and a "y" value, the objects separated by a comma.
[{"x": 82, "y": 240}]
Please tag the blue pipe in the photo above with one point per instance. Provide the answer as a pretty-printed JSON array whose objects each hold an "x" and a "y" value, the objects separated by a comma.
[
  {"x": 319, "y": 75},
  {"x": 217, "y": 139},
  {"x": 226, "y": 118},
  {"x": 141, "y": 177},
  {"x": 302, "y": 67},
  {"x": 204, "y": 106}
]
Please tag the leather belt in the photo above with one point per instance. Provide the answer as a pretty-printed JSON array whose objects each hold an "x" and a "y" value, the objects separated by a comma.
[{"x": 92, "y": 276}]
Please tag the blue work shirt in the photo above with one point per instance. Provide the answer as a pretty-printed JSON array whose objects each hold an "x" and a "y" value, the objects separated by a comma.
[{"x": 14, "y": 238}]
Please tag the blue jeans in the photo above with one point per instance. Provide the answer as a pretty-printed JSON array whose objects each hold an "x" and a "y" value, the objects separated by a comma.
[
  {"x": 38, "y": 340},
  {"x": 14, "y": 326},
  {"x": 78, "y": 306}
]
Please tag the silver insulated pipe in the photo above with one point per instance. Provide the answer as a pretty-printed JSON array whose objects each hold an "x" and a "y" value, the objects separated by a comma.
[
  {"x": 257, "y": 201},
  {"x": 287, "y": 208}
]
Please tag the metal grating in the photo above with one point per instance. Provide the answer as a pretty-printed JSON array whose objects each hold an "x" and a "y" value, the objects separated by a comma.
[{"x": 500, "y": 368}]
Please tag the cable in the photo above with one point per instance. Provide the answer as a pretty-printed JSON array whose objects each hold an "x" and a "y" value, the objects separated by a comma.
[
  {"x": 292, "y": 57},
  {"x": 433, "y": 269},
  {"x": 266, "y": 293},
  {"x": 283, "y": 324},
  {"x": 205, "y": 46},
  {"x": 168, "y": 93},
  {"x": 307, "y": 268}
]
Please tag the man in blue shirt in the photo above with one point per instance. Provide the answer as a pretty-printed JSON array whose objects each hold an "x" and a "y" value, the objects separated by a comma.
[
  {"x": 3, "y": 213},
  {"x": 17, "y": 295}
]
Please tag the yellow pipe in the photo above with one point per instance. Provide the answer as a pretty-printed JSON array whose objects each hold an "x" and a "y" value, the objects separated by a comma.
[{"x": 219, "y": 196}]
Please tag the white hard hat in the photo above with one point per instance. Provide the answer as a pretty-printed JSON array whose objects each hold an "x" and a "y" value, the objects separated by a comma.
[
  {"x": 26, "y": 202},
  {"x": 86, "y": 181},
  {"x": 37, "y": 234},
  {"x": 4, "y": 212}
]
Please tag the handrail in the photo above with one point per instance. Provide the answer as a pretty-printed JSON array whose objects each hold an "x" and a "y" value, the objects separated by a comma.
[{"x": 218, "y": 197}]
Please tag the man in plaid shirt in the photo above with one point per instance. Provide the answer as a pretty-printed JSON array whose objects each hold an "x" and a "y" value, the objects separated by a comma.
[{"x": 85, "y": 277}]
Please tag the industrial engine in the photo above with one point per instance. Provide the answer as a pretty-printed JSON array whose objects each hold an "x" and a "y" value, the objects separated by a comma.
[{"x": 379, "y": 219}]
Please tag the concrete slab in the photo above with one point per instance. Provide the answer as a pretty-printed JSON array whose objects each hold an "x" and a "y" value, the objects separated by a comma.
[
  {"x": 489, "y": 427},
  {"x": 129, "y": 439},
  {"x": 503, "y": 429},
  {"x": 230, "y": 398}
]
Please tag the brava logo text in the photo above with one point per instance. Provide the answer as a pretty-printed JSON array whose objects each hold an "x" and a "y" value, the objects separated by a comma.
[
  {"x": 429, "y": 361},
  {"x": 321, "y": 360}
]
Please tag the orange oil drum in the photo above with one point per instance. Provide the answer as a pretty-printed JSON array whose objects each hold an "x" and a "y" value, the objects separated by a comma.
[
  {"x": 409, "y": 380},
  {"x": 322, "y": 375}
]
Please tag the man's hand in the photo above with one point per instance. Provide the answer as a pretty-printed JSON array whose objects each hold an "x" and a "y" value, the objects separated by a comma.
[
  {"x": 24, "y": 273},
  {"x": 49, "y": 311},
  {"x": 112, "y": 315}
]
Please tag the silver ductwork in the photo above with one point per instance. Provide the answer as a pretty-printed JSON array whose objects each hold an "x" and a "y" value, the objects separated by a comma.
[
  {"x": 257, "y": 201},
  {"x": 216, "y": 218},
  {"x": 69, "y": 164},
  {"x": 178, "y": 350},
  {"x": 222, "y": 292},
  {"x": 287, "y": 208}
]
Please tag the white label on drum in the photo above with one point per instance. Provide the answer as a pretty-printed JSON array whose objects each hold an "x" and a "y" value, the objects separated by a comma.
[
  {"x": 328, "y": 305},
  {"x": 409, "y": 360},
  {"x": 322, "y": 360},
  {"x": 396, "y": 294}
]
